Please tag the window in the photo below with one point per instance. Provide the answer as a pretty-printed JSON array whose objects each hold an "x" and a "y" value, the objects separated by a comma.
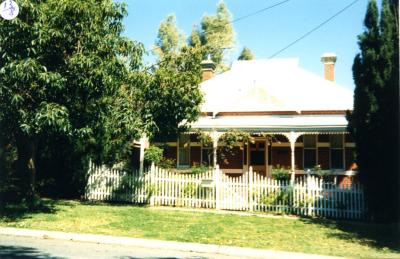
[
  {"x": 184, "y": 150},
  {"x": 336, "y": 144},
  {"x": 257, "y": 153},
  {"x": 310, "y": 151}
]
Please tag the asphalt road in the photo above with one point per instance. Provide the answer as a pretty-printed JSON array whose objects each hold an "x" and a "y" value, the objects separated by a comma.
[{"x": 28, "y": 247}]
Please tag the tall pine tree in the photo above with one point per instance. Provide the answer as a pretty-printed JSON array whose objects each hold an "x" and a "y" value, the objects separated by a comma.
[{"x": 374, "y": 121}]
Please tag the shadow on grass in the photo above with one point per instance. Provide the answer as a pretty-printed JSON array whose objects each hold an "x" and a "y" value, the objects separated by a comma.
[
  {"x": 13, "y": 212},
  {"x": 113, "y": 203},
  {"x": 376, "y": 235}
]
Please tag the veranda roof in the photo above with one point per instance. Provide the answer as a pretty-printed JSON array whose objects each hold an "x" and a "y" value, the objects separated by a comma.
[
  {"x": 274, "y": 123},
  {"x": 272, "y": 85}
]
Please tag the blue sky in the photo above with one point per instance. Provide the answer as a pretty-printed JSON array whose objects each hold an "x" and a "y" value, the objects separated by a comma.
[{"x": 266, "y": 32}]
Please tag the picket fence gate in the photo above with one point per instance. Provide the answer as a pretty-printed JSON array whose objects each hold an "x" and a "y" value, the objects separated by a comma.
[{"x": 307, "y": 196}]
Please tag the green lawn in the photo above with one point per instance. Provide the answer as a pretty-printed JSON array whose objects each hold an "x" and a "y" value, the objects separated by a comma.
[{"x": 329, "y": 237}]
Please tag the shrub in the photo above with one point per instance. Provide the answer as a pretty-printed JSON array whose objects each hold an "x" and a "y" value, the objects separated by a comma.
[
  {"x": 268, "y": 199},
  {"x": 283, "y": 196},
  {"x": 199, "y": 169},
  {"x": 281, "y": 174},
  {"x": 167, "y": 163},
  {"x": 153, "y": 154},
  {"x": 190, "y": 190},
  {"x": 151, "y": 190},
  {"x": 324, "y": 175}
]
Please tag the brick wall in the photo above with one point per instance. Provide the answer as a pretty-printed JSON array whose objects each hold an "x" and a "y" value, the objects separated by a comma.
[
  {"x": 329, "y": 71},
  {"x": 345, "y": 181}
]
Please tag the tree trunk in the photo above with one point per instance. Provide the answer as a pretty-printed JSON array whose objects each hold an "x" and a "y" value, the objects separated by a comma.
[{"x": 26, "y": 167}]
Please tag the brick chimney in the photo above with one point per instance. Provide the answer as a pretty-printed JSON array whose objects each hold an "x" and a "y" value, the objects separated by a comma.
[
  {"x": 329, "y": 60},
  {"x": 207, "y": 68}
]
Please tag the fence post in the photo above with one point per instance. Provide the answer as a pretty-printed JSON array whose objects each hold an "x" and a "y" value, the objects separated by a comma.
[
  {"x": 141, "y": 154},
  {"x": 251, "y": 200},
  {"x": 152, "y": 173},
  {"x": 217, "y": 187},
  {"x": 88, "y": 188},
  {"x": 309, "y": 195}
]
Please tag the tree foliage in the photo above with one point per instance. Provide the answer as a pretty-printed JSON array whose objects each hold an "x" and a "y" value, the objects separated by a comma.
[
  {"x": 72, "y": 88},
  {"x": 64, "y": 74},
  {"x": 194, "y": 39},
  {"x": 229, "y": 140},
  {"x": 246, "y": 54},
  {"x": 374, "y": 119},
  {"x": 216, "y": 35},
  {"x": 173, "y": 92},
  {"x": 153, "y": 154},
  {"x": 169, "y": 37},
  {"x": 204, "y": 137}
]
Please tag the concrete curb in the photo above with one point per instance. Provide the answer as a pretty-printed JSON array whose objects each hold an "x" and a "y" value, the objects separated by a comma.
[{"x": 158, "y": 244}]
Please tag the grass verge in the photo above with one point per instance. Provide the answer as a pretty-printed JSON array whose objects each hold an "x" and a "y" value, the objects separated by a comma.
[{"x": 327, "y": 237}]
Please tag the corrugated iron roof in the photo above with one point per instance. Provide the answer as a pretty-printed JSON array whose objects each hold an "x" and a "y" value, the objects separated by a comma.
[
  {"x": 272, "y": 85},
  {"x": 274, "y": 123}
]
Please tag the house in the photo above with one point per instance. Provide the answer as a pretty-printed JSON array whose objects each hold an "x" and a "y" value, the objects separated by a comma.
[{"x": 296, "y": 119}]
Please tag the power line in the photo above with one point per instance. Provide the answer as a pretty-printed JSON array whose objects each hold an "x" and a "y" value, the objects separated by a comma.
[
  {"x": 244, "y": 16},
  {"x": 314, "y": 29},
  {"x": 259, "y": 11},
  {"x": 298, "y": 39}
]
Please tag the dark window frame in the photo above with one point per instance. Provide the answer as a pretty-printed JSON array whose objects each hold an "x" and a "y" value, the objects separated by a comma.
[
  {"x": 309, "y": 149},
  {"x": 336, "y": 161}
]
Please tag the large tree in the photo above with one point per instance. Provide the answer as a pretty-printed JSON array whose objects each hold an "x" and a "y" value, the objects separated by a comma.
[
  {"x": 173, "y": 94},
  {"x": 375, "y": 117},
  {"x": 169, "y": 37},
  {"x": 216, "y": 35},
  {"x": 65, "y": 73}
]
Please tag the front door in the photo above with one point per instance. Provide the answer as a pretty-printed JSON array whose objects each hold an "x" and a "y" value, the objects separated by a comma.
[{"x": 257, "y": 156}]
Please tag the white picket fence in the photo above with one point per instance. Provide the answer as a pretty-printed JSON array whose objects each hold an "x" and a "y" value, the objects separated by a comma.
[{"x": 308, "y": 196}]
